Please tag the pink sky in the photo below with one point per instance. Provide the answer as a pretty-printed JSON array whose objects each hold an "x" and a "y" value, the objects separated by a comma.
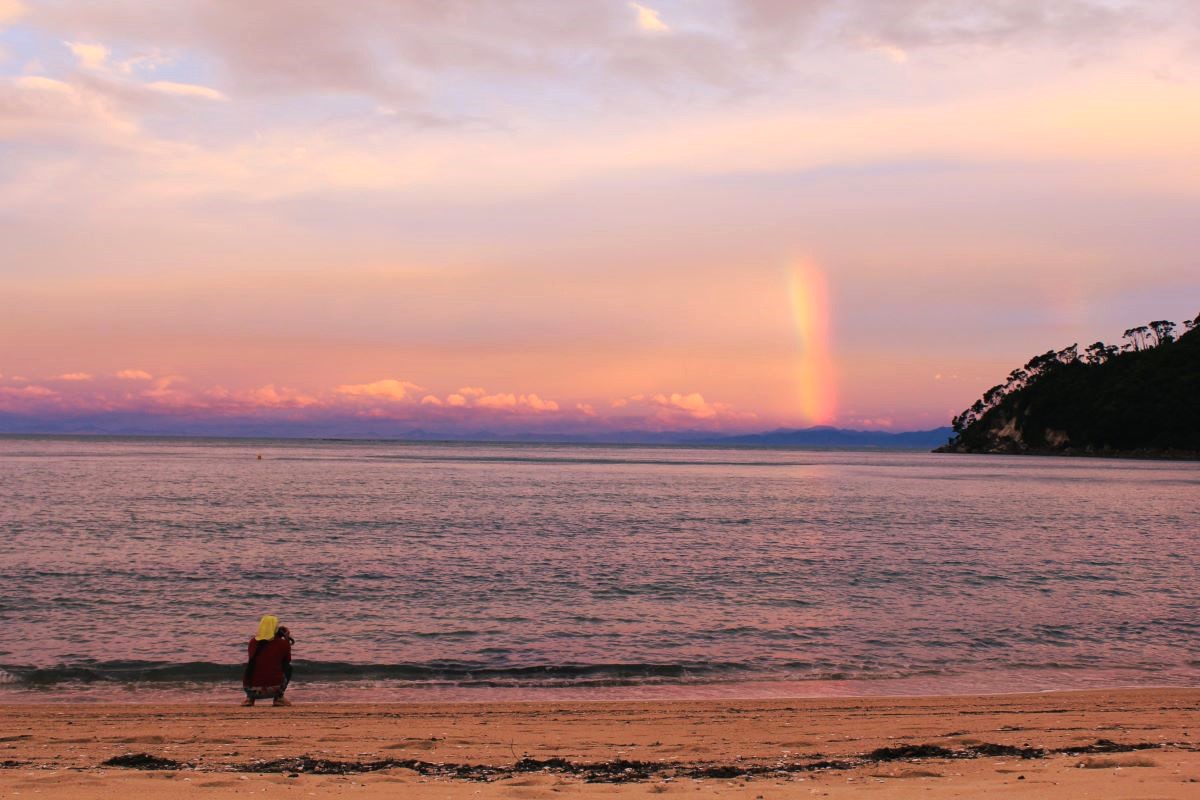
[{"x": 717, "y": 214}]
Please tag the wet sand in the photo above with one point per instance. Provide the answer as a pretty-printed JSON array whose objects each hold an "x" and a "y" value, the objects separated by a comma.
[{"x": 1111, "y": 744}]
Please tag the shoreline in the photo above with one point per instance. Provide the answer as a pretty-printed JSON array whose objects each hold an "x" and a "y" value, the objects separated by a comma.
[
  {"x": 973, "y": 744},
  {"x": 1118, "y": 455},
  {"x": 351, "y": 693},
  {"x": 567, "y": 696}
]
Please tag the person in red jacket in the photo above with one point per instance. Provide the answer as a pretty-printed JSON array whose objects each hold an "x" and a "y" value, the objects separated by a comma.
[{"x": 269, "y": 669}]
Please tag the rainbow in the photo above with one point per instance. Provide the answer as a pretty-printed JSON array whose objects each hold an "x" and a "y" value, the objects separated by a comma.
[{"x": 815, "y": 374}]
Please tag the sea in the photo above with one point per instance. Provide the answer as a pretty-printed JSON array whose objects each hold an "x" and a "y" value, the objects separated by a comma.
[{"x": 136, "y": 569}]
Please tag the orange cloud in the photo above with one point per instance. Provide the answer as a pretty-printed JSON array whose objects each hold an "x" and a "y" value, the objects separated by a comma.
[
  {"x": 391, "y": 399},
  {"x": 648, "y": 19},
  {"x": 10, "y": 10},
  {"x": 165, "y": 392},
  {"x": 477, "y": 397},
  {"x": 502, "y": 400},
  {"x": 271, "y": 397},
  {"x": 680, "y": 408},
  {"x": 873, "y": 422},
  {"x": 186, "y": 90},
  {"x": 388, "y": 389},
  {"x": 693, "y": 404},
  {"x": 508, "y": 400},
  {"x": 90, "y": 55},
  {"x": 28, "y": 391},
  {"x": 75, "y": 376},
  {"x": 537, "y": 403}
]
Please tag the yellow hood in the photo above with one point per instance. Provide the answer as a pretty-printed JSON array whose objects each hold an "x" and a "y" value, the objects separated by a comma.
[{"x": 266, "y": 628}]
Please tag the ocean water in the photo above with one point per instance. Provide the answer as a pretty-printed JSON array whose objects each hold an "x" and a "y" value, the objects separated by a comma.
[{"x": 136, "y": 569}]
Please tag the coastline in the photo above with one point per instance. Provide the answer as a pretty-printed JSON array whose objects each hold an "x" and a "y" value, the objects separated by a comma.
[
  {"x": 1144, "y": 740},
  {"x": 1125, "y": 455}
]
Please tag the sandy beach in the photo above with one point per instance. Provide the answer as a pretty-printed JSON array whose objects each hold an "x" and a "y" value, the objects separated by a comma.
[{"x": 1112, "y": 744}]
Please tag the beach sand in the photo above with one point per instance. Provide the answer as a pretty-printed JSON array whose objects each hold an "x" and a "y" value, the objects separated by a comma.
[{"x": 1103, "y": 744}]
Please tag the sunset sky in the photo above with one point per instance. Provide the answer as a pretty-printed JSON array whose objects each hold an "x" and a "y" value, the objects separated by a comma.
[{"x": 582, "y": 215}]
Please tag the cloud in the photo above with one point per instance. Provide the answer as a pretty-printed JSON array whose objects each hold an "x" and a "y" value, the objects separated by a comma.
[
  {"x": 75, "y": 376},
  {"x": 939, "y": 23},
  {"x": 384, "y": 49},
  {"x": 271, "y": 397},
  {"x": 10, "y": 10},
  {"x": 873, "y": 423},
  {"x": 388, "y": 399},
  {"x": 475, "y": 397},
  {"x": 28, "y": 391},
  {"x": 147, "y": 61},
  {"x": 388, "y": 389},
  {"x": 648, "y": 19},
  {"x": 164, "y": 391},
  {"x": 422, "y": 59},
  {"x": 502, "y": 400},
  {"x": 186, "y": 90},
  {"x": 96, "y": 57},
  {"x": 511, "y": 401},
  {"x": 893, "y": 53},
  {"x": 45, "y": 112},
  {"x": 455, "y": 58},
  {"x": 693, "y": 404},
  {"x": 90, "y": 55},
  {"x": 669, "y": 409},
  {"x": 536, "y": 403},
  {"x": 41, "y": 83}
]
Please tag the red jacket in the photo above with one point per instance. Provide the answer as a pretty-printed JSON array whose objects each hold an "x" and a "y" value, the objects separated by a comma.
[{"x": 268, "y": 667}]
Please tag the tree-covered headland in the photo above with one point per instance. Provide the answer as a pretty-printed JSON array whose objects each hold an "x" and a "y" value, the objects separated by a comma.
[{"x": 1138, "y": 398}]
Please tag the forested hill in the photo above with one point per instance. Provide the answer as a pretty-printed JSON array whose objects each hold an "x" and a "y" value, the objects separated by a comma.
[{"x": 1141, "y": 398}]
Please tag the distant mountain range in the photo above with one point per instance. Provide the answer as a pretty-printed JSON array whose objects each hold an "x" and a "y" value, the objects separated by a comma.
[
  {"x": 146, "y": 425},
  {"x": 824, "y": 436}
]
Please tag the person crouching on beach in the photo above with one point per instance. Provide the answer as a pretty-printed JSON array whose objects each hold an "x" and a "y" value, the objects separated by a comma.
[{"x": 269, "y": 669}]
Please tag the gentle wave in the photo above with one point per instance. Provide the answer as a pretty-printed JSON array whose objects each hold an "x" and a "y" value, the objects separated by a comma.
[
  {"x": 457, "y": 673},
  {"x": 584, "y": 460}
]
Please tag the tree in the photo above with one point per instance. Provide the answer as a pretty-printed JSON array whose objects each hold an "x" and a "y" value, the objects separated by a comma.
[
  {"x": 1039, "y": 363},
  {"x": 1096, "y": 353},
  {"x": 1163, "y": 331},
  {"x": 1016, "y": 379},
  {"x": 993, "y": 395},
  {"x": 1068, "y": 355},
  {"x": 1138, "y": 337}
]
